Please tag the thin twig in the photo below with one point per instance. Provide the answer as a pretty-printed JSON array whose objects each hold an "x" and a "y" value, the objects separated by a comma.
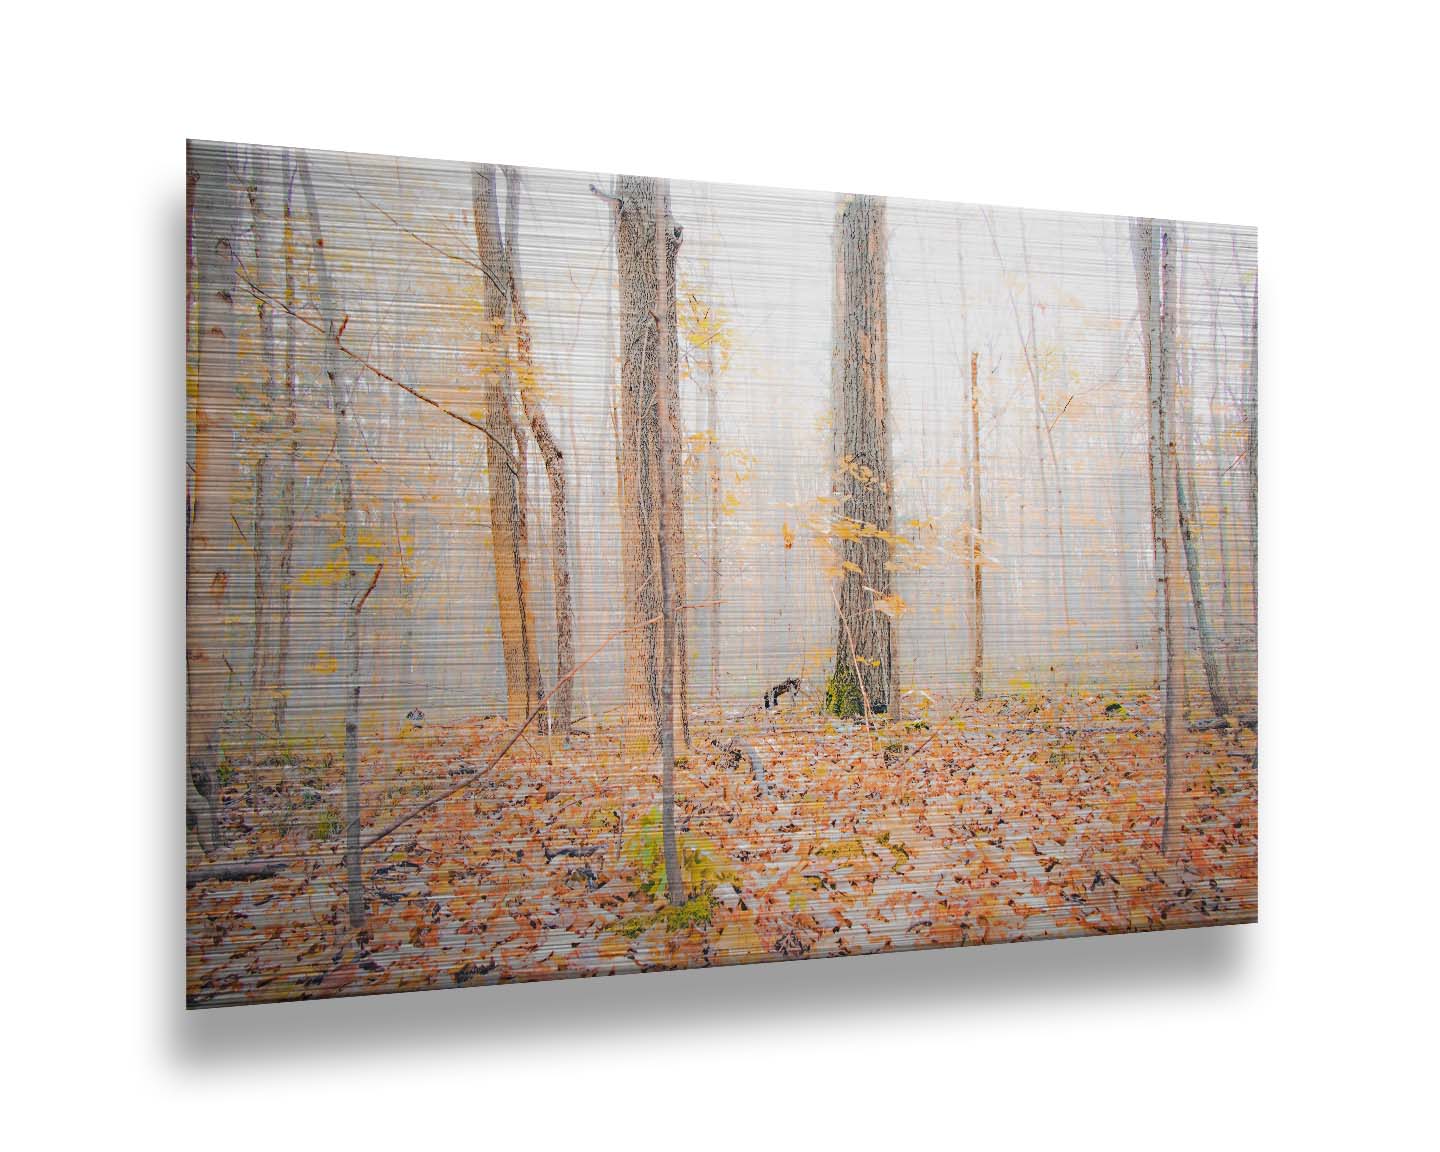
[
  {"x": 261, "y": 294},
  {"x": 615, "y": 201},
  {"x": 1062, "y": 412},
  {"x": 456, "y": 256},
  {"x": 375, "y": 579},
  {"x": 242, "y": 532},
  {"x": 540, "y": 707}
]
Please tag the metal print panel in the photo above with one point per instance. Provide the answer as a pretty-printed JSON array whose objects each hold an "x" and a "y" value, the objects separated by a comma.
[{"x": 596, "y": 574}]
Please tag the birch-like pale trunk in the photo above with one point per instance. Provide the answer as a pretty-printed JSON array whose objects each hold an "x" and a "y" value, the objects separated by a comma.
[
  {"x": 561, "y": 704},
  {"x": 977, "y": 618},
  {"x": 1252, "y": 429},
  {"x": 290, "y": 464},
  {"x": 864, "y": 637},
  {"x": 1043, "y": 423},
  {"x": 714, "y": 499},
  {"x": 1208, "y": 645},
  {"x": 351, "y": 587},
  {"x": 1180, "y": 464},
  {"x": 1155, "y": 280},
  {"x": 1222, "y": 500},
  {"x": 264, "y": 529}
]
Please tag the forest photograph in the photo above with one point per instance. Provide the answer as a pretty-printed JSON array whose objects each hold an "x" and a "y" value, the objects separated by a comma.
[{"x": 590, "y": 574}]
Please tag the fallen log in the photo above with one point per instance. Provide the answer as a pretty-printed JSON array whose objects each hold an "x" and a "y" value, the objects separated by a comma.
[
  {"x": 1220, "y": 723},
  {"x": 243, "y": 870}
]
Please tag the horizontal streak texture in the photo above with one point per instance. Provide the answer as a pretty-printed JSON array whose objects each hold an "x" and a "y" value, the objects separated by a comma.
[{"x": 959, "y": 515}]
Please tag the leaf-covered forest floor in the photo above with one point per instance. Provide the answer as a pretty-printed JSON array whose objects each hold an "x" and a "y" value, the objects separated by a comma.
[{"x": 1023, "y": 817}]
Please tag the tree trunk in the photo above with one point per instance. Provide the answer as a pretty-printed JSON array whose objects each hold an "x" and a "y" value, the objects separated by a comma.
[
  {"x": 351, "y": 586},
  {"x": 1044, "y": 424},
  {"x": 262, "y": 671},
  {"x": 212, "y": 212},
  {"x": 648, "y": 391},
  {"x": 1252, "y": 459},
  {"x": 1202, "y": 618},
  {"x": 561, "y": 705},
  {"x": 977, "y": 618},
  {"x": 714, "y": 502},
  {"x": 672, "y": 440},
  {"x": 1216, "y": 428},
  {"x": 665, "y": 446},
  {"x": 1180, "y": 464},
  {"x": 859, "y": 384},
  {"x": 1155, "y": 279},
  {"x": 291, "y": 463},
  {"x": 504, "y": 449}
]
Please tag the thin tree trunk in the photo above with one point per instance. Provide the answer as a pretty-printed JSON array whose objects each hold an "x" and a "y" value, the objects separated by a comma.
[
  {"x": 1164, "y": 385},
  {"x": 1181, "y": 431},
  {"x": 977, "y": 620},
  {"x": 859, "y": 373},
  {"x": 291, "y": 464},
  {"x": 1043, "y": 422},
  {"x": 351, "y": 587},
  {"x": 714, "y": 500},
  {"x": 262, "y": 673},
  {"x": 647, "y": 367},
  {"x": 1202, "y": 618},
  {"x": 578, "y": 499},
  {"x": 664, "y": 266},
  {"x": 1155, "y": 280},
  {"x": 672, "y": 439},
  {"x": 1227, "y": 602},
  {"x": 1252, "y": 457},
  {"x": 561, "y": 706},
  {"x": 972, "y": 451},
  {"x": 508, "y": 533}
]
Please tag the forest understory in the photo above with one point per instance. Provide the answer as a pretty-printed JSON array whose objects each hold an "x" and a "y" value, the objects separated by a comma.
[
  {"x": 453, "y": 429},
  {"x": 1024, "y": 816}
]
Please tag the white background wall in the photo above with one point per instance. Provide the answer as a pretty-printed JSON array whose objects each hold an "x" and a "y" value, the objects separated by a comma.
[{"x": 1316, "y": 125}]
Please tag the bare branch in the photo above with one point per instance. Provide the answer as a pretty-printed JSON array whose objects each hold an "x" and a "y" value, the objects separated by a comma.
[
  {"x": 615, "y": 201},
  {"x": 375, "y": 579},
  {"x": 540, "y": 707},
  {"x": 456, "y": 256},
  {"x": 261, "y": 294}
]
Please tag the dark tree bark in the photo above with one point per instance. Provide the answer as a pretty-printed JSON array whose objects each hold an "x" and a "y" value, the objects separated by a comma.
[
  {"x": 859, "y": 382},
  {"x": 647, "y": 244}
]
